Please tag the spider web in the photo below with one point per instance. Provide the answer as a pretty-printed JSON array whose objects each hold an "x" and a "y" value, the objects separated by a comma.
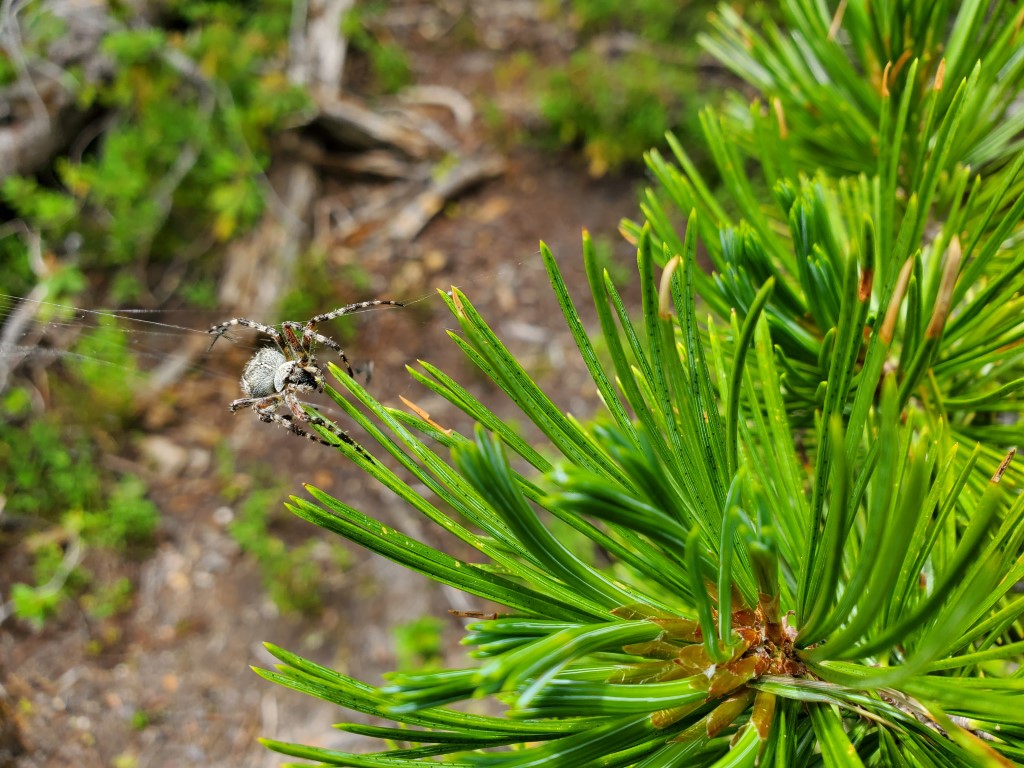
[
  {"x": 139, "y": 346},
  {"x": 148, "y": 350},
  {"x": 144, "y": 350}
]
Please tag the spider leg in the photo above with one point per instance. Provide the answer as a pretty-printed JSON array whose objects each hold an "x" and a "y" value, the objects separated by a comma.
[
  {"x": 220, "y": 330},
  {"x": 309, "y": 331},
  {"x": 300, "y": 349},
  {"x": 328, "y": 342},
  {"x": 266, "y": 409},
  {"x": 259, "y": 404},
  {"x": 286, "y": 421},
  {"x": 309, "y": 337},
  {"x": 349, "y": 309},
  {"x": 298, "y": 412},
  {"x": 339, "y": 433}
]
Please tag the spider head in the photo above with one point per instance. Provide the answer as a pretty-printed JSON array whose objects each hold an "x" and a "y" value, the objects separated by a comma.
[{"x": 299, "y": 375}]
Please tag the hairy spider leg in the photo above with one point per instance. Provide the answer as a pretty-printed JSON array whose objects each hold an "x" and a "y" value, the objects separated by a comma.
[
  {"x": 309, "y": 336},
  {"x": 299, "y": 349},
  {"x": 271, "y": 331},
  {"x": 334, "y": 430},
  {"x": 349, "y": 309},
  {"x": 316, "y": 419},
  {"x": 309, "y": 330},
  {"x": 266, "y": 409}
]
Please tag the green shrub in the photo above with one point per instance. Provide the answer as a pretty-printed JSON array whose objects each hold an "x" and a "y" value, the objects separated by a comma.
[
  {"x": 926, "y": 227},
  {"x": 809, "y": 504},
  {"x": 617, "y": 110},
  {"x": 631, "y": 80},
  {"x": 129, "y": 519},
  {"x": 53, "y": 481},
  {"x": 760, "y": 605},
  {"x": 388, "y": 63},
  {"x": 44, "y": 472},
  {"x": 35, "y": 605}
]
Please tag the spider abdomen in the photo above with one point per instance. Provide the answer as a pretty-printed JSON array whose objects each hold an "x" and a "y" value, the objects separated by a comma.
[{"x": 260, "y": 373}]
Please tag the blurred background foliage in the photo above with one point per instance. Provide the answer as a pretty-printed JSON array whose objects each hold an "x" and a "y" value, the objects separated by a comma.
[
  {"x": 179, "y": 122},
  {"x": 635, "y": 73},
  {"x": 167, "y": 167}
]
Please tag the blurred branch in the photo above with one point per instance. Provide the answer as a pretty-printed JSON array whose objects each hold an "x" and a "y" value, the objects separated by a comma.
[
  {"x": 163, "y": 192},
  {"x": 24, "y": 314},
  {"x": 358, "y": 127},
  {"x": 71, "y": 558},
  {"x": 412, "y": 219},
  {"x": 317, "y": 56},
  {"x": 41, "y": 116}
]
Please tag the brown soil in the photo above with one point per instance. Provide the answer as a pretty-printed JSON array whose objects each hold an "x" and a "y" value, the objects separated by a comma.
[{"x": 181, "y": 654}]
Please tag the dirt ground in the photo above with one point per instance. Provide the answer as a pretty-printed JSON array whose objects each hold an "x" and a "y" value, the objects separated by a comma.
[{"x": 181, "y": 655}]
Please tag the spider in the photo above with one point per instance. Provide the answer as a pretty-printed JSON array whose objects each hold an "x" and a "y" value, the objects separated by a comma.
[{"x": 276, "y": 375}]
